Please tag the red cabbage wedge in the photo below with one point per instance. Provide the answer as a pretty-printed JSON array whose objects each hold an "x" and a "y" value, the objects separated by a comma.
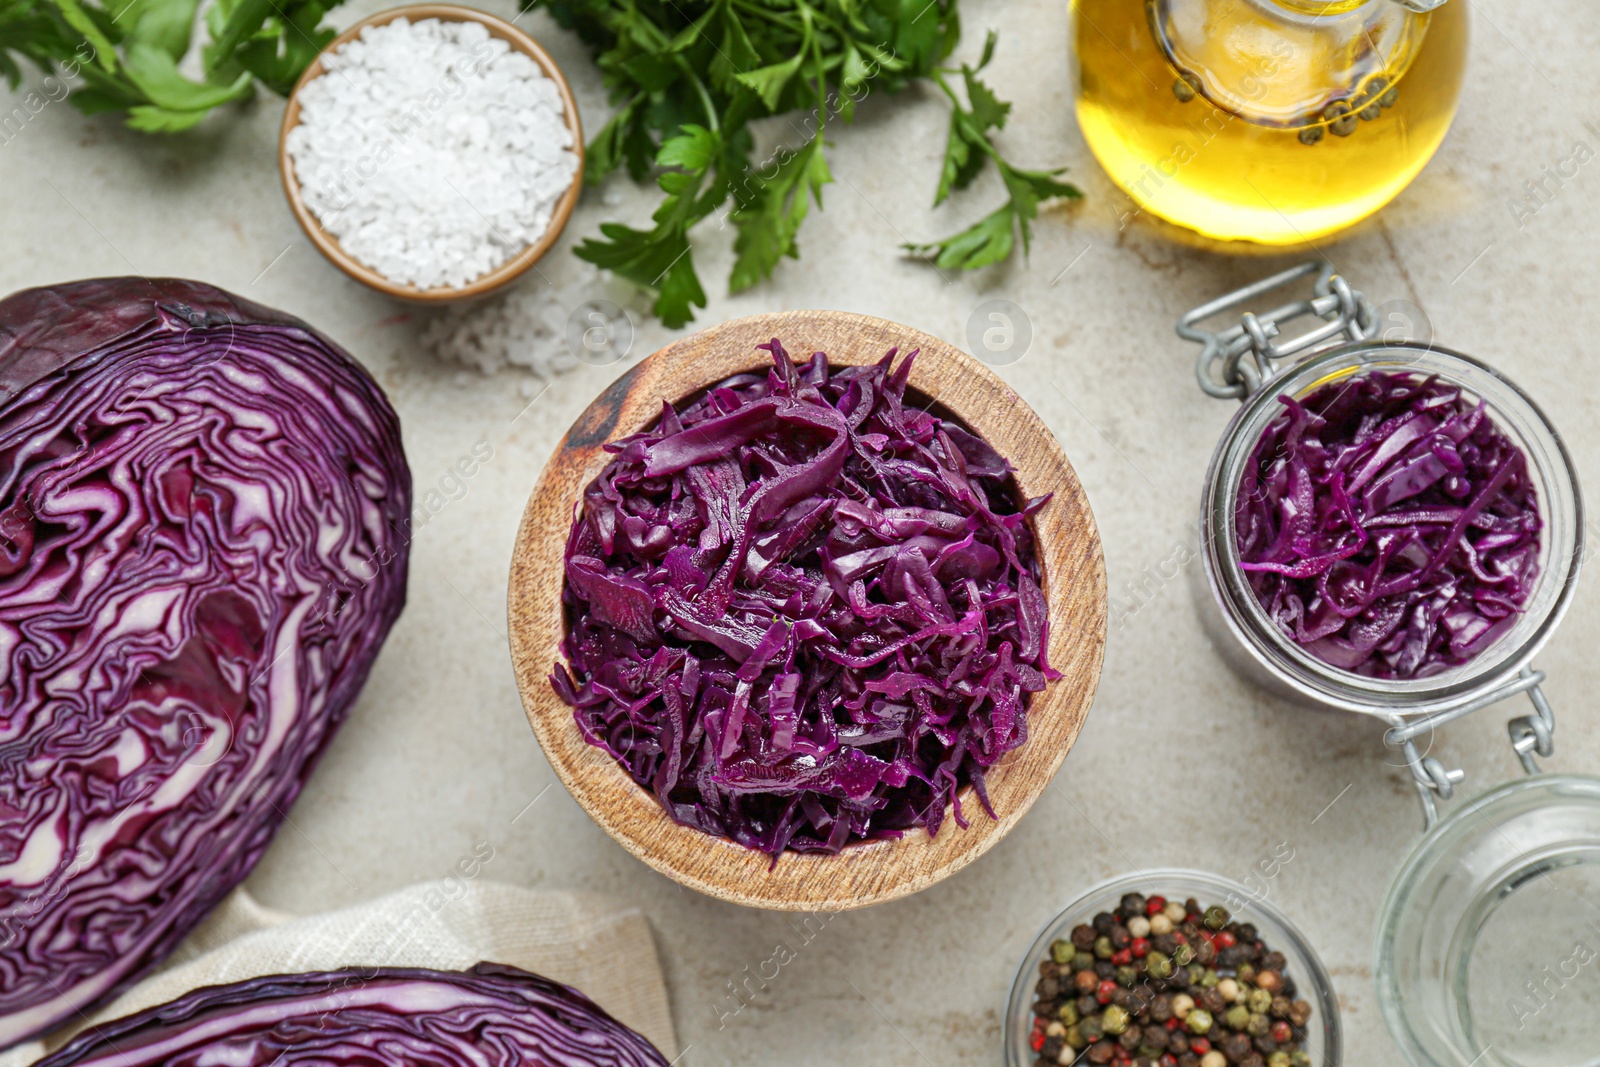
[
  {"x": 203, "y": 508},
  {"x": 804, "y": 612},
  {"x": 490, "y": 1016},
  {"x": 1388, "y": 525}
]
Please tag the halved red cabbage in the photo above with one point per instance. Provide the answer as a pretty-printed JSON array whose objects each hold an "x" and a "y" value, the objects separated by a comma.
[
  {"x": 203, "y": 509},
  {"x": 1388, "y": 525},
  {"x": 803, "y": 612},
  {"x": 489, "y": 1016}
]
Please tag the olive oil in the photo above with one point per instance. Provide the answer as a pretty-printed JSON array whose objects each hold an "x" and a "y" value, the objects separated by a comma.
[{"x": 1272, "y": 121}]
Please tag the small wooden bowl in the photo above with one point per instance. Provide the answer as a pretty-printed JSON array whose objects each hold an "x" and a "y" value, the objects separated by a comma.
[
  {"x": 871, "y": 872},
  {"x": 512, "y": 268}
]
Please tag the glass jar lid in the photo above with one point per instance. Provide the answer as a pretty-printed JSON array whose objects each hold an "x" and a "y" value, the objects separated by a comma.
[{"x": 1488, "y": 946}]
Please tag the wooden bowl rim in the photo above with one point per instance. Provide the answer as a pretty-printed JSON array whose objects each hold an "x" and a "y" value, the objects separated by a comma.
[
  {"x": 506, "y": 272},
  {"x": 862, "y": 874}
]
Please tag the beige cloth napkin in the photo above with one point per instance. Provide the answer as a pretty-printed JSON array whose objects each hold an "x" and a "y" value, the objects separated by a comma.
[{"x": 584, "y": 941}]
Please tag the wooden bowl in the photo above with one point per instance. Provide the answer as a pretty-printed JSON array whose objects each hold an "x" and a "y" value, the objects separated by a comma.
[
  {"x": 870, "y": 872},
  {"x": 512, "y": 268}
]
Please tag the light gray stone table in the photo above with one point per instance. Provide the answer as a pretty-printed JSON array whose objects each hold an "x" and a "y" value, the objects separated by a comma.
[{"x": 1180, "y": 762}]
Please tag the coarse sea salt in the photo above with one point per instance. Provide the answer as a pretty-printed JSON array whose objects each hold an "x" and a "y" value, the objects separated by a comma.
[{"x": 432, "y": 151}]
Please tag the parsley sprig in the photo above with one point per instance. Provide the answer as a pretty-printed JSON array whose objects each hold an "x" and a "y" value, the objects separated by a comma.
[
  {"x": 123, "y": 55},
  {"x": 688, "y": 77}
]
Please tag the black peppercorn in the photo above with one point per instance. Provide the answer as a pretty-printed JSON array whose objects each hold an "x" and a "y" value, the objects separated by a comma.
[
  {"x": 1235, "y": 1046},
  {"x": 1103, "y": 922},
  {"x": 1083, "y": 937},
  {"x": 1132, "y": 904},
  {"x": 1101, "y": 1052}
]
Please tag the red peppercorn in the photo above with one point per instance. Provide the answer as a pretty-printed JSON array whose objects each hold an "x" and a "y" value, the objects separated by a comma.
[
  {"x": 1122, "y": 957},
  {"x": 1105, "y": 991},
  {"x": 1036, "y": 1042},
  {"x": 1140, "y": 947},
  {"x": 1173, "y": 1023},
  {"x": 1199, "y": 1046},
  {"x": 1225, "y": 940},
  {"x": 1168, "y": 1060},
  {"x": 1281, "y": 1032},
  {"x": 1155, "y": 904}
]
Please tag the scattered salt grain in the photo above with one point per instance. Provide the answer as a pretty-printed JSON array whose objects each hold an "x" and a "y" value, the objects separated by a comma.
[{"x": 432, "y": 151}]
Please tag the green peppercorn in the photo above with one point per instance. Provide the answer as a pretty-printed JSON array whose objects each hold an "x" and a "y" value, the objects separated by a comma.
[
  {"x": 1183, "y": 955},
  {"x": 1341, "y": 120},
  {"x": 1236, "y": 1017},
  {"x": 1127, "y": 975},
  {"x": 1114, "y": 1020},
  {"x": 1279, "y": 1058},
  {"x": 1062, "y": 951},
  {"x": 1091, "y": 1029},
  {"x": 1310, "y": 135},
  {"x": 1073, "y": 1037},
  {"x": 1083, "y": 961},
  {"x": 1208, "y": 979},
  {"x": 1215, "y": 917},
  {"x": 1259, "y": 1001},
  {"x": 1068, "y": 1014},
  {"x": 1299, "y": 1058},
  {"x": 1186, "y": 87},
  {"x": 1102, "y": 948},
  {"x": 1198, "y": 1021},
  {"x": 1246, "y": 974},
  {"x": 1159, "y": 964},
  {"x": 1257, "y": 1024}
]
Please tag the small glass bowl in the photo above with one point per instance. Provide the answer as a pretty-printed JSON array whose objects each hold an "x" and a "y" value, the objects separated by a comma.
[{"x": 1311, "y": 979}]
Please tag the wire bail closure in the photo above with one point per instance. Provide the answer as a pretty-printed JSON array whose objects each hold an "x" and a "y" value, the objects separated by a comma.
[
  {"x": 1237, "y": 362},
  {"x": 1531, "y": 734},
  {"x": 1223, "y": 369}
]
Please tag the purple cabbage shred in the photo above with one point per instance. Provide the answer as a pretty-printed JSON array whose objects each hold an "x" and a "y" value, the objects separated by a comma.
[
  {"x": 1389, "y": 526},
  {"x": 804, "y": 612}
]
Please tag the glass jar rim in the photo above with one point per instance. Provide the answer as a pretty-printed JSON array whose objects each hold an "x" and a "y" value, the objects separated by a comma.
[{"x": 1559, "y": 500}]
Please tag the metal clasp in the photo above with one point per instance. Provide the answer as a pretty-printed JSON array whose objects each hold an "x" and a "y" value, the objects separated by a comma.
[
  {"x": 1531, "y": 734},
  {"x": 1239, "y": 360}
]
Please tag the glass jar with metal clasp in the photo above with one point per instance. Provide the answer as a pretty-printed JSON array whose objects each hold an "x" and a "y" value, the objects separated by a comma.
[{"x": 1494, "y": 917}]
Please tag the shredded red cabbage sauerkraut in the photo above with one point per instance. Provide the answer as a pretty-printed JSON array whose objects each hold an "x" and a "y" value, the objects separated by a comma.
[
  {"x": 803, "y": 612},
  {"x": 1389, "y": 526}
]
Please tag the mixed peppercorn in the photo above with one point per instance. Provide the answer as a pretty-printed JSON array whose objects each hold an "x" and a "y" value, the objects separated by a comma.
[{"x": 1162, "y": 983}]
